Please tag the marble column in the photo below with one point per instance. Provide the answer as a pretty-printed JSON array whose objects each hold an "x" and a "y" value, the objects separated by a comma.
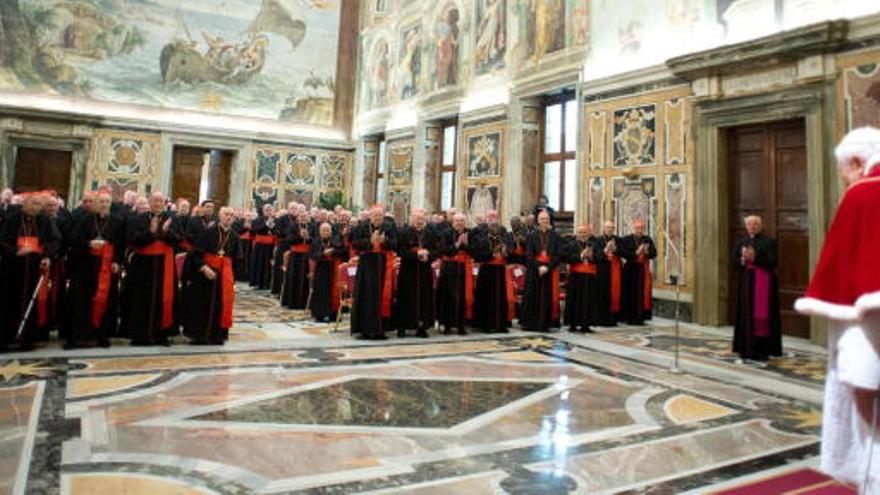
[
  {"x": 368, "y": 154},
  {"x": 431, "y": 161},
  {"x": 522, "y": 177}
]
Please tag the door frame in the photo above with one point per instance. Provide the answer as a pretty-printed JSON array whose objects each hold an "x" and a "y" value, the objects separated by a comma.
[
  {"x": 238, "y": 173},
  {"x": 78, "y": 147},
  {"x": 711, "y": 118}
]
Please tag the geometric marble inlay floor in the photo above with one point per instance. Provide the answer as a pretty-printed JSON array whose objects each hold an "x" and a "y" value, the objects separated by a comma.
[{"x": 290, "y": 406}]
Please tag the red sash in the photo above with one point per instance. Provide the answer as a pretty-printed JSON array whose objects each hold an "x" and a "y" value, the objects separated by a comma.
[
  {"x": 468, "y": 262},
  {"x": 245, "y": 237},
  {"x": 646, "y": 285},
  {"x": 554, "y": 285},
  {"x": 33, "y": 242},
  {"x": 510, "y": 288},
  {"x": 583, "y": 268},
  {"x": 615, "y": 282},
  {"x": 159, "y": 248},
  {"x": 388, "y": 287},
  {"x": 300, "y": 248},
  {"x": 334, "y": 287},
  {"x": 264, "y": 239},
  {"x": 186, "y": 245},
  {"x": 105, "y": 277},
  {"x": 223, "y": 266}
]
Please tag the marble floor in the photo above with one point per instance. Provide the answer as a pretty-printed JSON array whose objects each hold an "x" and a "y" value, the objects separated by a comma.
[{"x": 290, "y": 406}]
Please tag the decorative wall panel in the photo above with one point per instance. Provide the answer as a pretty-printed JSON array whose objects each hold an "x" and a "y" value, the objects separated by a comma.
[
  {"x": 280, "y": 174},
  {"x": 484, "y": 156},
  {"x": 125, "y": 161}
]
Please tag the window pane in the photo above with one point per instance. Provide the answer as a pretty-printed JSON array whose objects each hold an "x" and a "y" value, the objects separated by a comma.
[
  {"x": 447, "y": 191},
  {"x": 571, "y": 118},
  {"x": 551, "y": 184},
  {"x": 449, "y": 145},
  {"x": 381, "y": 163},
  {"x": 380, "y": 191},
  {"x": 570, "y": 185},
  {"x": 553, "y": 129}
]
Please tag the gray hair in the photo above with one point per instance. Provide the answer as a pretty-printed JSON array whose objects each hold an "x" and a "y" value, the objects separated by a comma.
[{"x": 862, "y": 143}]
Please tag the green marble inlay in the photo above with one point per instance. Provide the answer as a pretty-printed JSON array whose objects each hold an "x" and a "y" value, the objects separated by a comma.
[{"x": 382, "y": 402}]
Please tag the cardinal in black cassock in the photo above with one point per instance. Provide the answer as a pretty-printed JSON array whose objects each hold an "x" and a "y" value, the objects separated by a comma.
[
  {"x": 327, "y": 253},
  {"x": 242, "y": 228},
  {"x": 757, "y": 333},
  {"x": 260, "y": 271},
  {"x": 151, "y": 278},
  {"x": 97, "y": 242},
  {"x": 210, "y": 289},
  {"x": 455, "y": 291},
  {"x": 581, "y": 301},
  {"x": 28, "y": 243},
  {"x": 297, "y": 245},
  {"x": 281, "y": 230},
  {"x": 415, "y": 282},
  {"x": 540, "y": 309},
  {"x": 495, "y": 291},
  {"x": 638, "y": 250},
  {"x": 375, "y": 242},
  {"x": 58, "y": 273},
  {"x": 609, "y": 267}
]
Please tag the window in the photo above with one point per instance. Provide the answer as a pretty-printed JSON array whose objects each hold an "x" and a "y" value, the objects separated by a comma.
[
  {"x": 448, "y": 151},
  {"x": 559, "y": 153},
  {"x": 381, "y": 168}
]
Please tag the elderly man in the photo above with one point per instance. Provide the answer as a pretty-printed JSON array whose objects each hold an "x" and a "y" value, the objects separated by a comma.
[
  {"x": 375, "y": 242},
  {"x": 581, "y": 303},
  {"x": 284, "y": 225},
  {"x": 327, "y": 252},
  {"x": 540, "y": 309},
  {"x": 295, "y": 270},
  {"x": 638, "y": 250},
  {"x": 608, "y": 278},
  {"x": 262, "y": 228},
  {"x": 845, "y": 289},
  {"x": 455, "y": 299},
  {"x": 415, "y": 286},
  {"x": 98, "y": 244},
  {"x": 209, "y": 292},
  {"x": 29, "y": 241},
  {"x": 757, "y": 333},
  {"x": 494, "y": 294},
  {"x": 151, "y": 277}
]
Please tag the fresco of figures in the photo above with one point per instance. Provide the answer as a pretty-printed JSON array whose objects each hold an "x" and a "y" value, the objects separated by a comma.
[{"x": 273, "y": 59}]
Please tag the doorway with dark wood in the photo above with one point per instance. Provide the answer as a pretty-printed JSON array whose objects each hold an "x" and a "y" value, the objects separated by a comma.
[
  {"x": 201, "y": 174},
  {"x": 767, "y": 167},
  {"x": 42, "y": 169}
]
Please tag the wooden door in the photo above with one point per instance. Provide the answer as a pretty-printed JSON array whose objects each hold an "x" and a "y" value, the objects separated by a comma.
[
  {"x": 40, "y": 169},
  {"x": 187, "y": 178},
  {"x": 768, "y": 177},
  {"x": 188, "y": 166}
]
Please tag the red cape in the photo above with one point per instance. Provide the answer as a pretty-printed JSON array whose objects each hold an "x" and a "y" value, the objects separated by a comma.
[{"x": 847, "y": 279}]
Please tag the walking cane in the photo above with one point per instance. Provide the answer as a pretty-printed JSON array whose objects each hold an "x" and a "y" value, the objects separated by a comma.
[{"x": 30, "y": 306}]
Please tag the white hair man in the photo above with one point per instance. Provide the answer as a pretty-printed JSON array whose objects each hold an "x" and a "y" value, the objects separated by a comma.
[{"x": 845, "y": 289}]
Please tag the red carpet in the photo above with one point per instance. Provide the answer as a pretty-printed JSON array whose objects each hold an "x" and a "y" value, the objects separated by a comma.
[{"x": 798, "y": 482}]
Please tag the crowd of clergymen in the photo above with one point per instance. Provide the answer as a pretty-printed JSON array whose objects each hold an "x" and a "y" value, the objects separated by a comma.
[{"x": 147, "y": 268}]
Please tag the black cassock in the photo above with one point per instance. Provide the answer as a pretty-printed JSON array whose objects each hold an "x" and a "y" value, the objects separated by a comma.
[
  {"x": 455, "y": 287},
  {"x": 540, "y": 309},
  {"x": 581, "y": 293},
  {"x": 148, "y": 286},
  {"x": 494, "y": 301},
  {"x": 415, "y": 282},
  {"x": 206, "y": 299},
  {"x": 325, "y": 292},
  {"x": 281, "y": 232},
  {"x": 635, "y": 299},
  {"x": 295, "y": 293},
  {"x": 371, "y": 315},
  {"x": 19, "y": 274},
  {"x": 260, "y": 270},
  {"x": 757, "y": 333},
  {"x": 241, "y": 263},
  {"x": 94, "y": 315},
  {"x": 608, "y": 281}
]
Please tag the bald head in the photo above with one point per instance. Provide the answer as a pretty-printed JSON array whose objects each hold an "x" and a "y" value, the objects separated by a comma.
[
  {"x": 583, "y": 232},
  {"x": 102, "y": 204},
  {"x": 157, "y": 202},
  {"x": 544, "y": 220},
  {"x": 609, "y": 227},
  {"x": 418, "y": 218},
  {"x": 226, "y": 217}
]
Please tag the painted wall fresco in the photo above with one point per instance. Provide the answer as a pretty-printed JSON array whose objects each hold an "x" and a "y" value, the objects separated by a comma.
[
  {"x": 125, "y": 161},
  {"x": 272, "y": 59},
  {"x": 637, "y": 166},
  {"x": 280, "y": 174},
  {"x": 399, "y": 177}
]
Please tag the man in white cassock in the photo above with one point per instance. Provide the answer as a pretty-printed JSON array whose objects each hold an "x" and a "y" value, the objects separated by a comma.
[{"x": 845, "y": 289}]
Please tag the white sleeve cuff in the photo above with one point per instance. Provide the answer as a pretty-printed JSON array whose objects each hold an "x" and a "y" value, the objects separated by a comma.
[{"x": 858, "y": 363}]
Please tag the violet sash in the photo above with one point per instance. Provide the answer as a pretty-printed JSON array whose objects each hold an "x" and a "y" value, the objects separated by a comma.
[{"x": 761, "y": 304}]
